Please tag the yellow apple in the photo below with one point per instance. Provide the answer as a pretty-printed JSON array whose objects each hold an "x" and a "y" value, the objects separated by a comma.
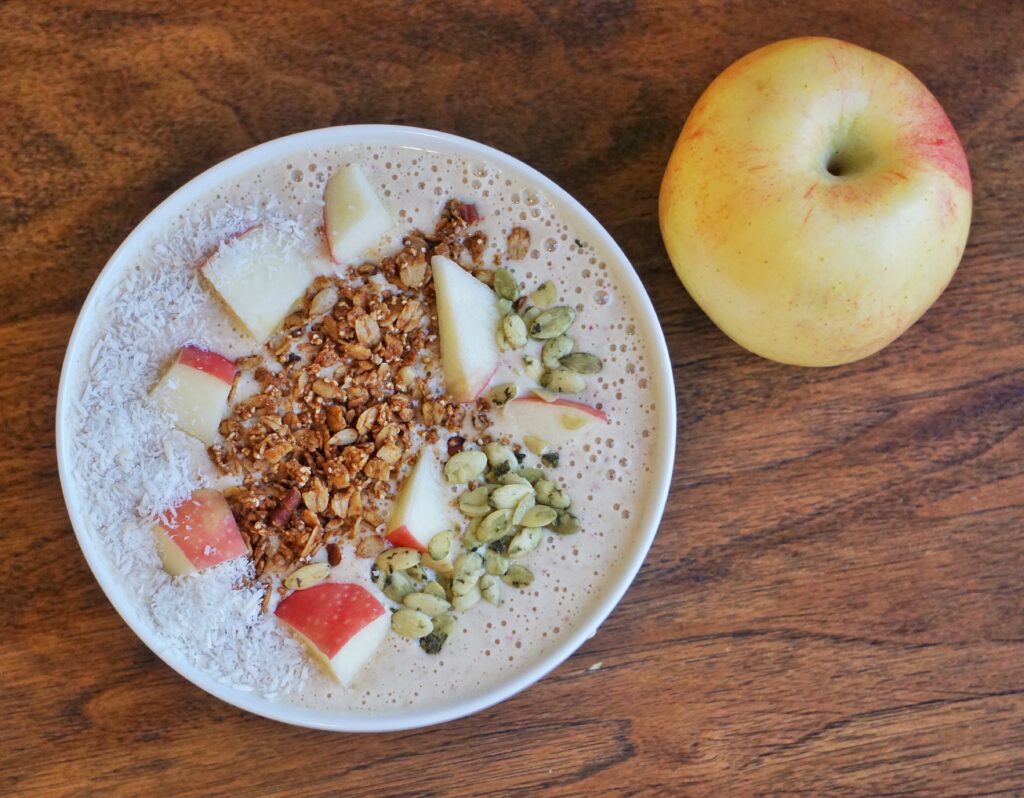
[{"x": 817, "y": 201}]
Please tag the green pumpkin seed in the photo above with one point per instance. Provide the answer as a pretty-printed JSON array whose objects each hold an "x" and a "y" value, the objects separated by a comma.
[
  {"x": 378, "y": 577},
  {"x": 540, "y": 515},
  {"x": 435, "y": 589},
  {"x": 551, "y": 323},
  {"x": 508, "y": 496},
  {"x": 466, "y": 600},
  {"x": 536, "y": 445},
  {"x": 490, "y": 589},
  {"x": 469, "y": 539},
  {"x": 544, "y": 488},
  {"x": 553, "y": 351},
  {"x": 465, "y": 466},
  {"x": 397, "y": 586},
  {"x": 545, "y": 296},
  {"x": 524, "y": 541},
  {"x": 499, "y": 339},
  {"x": 411, "y": 623},
  {"x": 427, "y": 604},
  {"x": 505, "y": 285},
  {"x": 533, "y": 368},
  {"x": 444, "y": 627},
  {"x": 473, "y": 503},
  {"x": 530, "y": 316},
  {"x": 514, "y": 329},
  {"x": 582, "y": 363},
  {"x": 553, "y": 496},
  {"x": 524, "y": 506},
  {"x": 531, "y": 475},
  {"x": 469, "y": 567},
  {"x": 498, "y": 454},
  {"x": 494, "y": 563},
  {"x": 502, "y": 394},
  {"x": 494, "y": 526},
  {"x": 440, "y": 545},
  {"x": 563, "y": 381},
  {"x": 518, "y": 576},
  {"x": 416, "y": 573},
  {"x": 514, "y": 479},
  {"x": 504, "y": 306},
  {"x": 397, "y": 559},
  {"x": 567, "y": 524}
]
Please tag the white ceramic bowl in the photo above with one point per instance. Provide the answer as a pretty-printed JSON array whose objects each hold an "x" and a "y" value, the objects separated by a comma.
[{"x": 662, "y": 388}]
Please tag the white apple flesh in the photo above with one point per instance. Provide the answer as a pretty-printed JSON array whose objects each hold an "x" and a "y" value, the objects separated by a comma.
[
  {"x": 199, "y": 533},
  {"x": 467, "y": 320},
  {"x": 421, "y": 507},
  {"x": 194, "y": 391},
  {"x": 259, "y": 275},
  {"x": 355, "y": 218},
  {"x": 341, "y": 625},
  {"x": 557, "y": 423}
]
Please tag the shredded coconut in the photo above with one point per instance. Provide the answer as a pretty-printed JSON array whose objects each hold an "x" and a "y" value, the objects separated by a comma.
[{"x": 130, "y": 464}]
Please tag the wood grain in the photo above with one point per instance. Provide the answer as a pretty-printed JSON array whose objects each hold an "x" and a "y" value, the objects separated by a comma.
[{"x": 834, "y": 604}]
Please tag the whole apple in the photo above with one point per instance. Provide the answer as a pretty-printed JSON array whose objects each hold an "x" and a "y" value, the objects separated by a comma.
[{"x": 817, "y": 201}]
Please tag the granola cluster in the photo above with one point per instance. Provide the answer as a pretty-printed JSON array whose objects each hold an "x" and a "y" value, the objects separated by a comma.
[{"x": 345, "y": 395}]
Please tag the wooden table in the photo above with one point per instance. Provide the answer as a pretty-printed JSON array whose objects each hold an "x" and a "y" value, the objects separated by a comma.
[{"x": 834, "y": 603}]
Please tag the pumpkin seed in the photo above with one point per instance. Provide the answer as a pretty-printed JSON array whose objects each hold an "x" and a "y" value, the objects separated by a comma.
[
  {"x": 435, "y": 589},
  {"x": 469, "y": 567},
  {"x": 553, "y": 496},
  {"x": 544, "y": 488},
  {"x": 465, "y": 466},
  {"x": 494, "y": 563},
  {"x": 582, "y": 363},
  {"x": 533, "y": 368},
  {"x": 505, "y": 285},
  {"x": 466, "y": 600},
  {"x": 502, "y": 394},
  {"x": 536, "y": 445},
  {"x": 473, "y": 503},
  {"x": 308, "y": 575},
  {"x": 514, "y": 329},
  {"x": 518, "y": 576},
  {"x": 444, "y": 626},
  {"x": 416, "y": 573},
  {"x": 539, "y": 515},
  {"x": 397, "y": 559},
  {"x": 524, "y": 541},
  {"x": 378, "y": 577},
  {"x": 397, "y": 586},
  {"x": 530, "y": 316},
  {"x": 494, "y": 526},
  {"x": 545, "y": 394},
  {"x": 427, "y": 604},
  {"x": 563, "y": 381},
  {"x": 567, "y": 524},
  {"x": 498, "y": 454},
  {"x": 411, "y": 623},
  {"x": 553, "y": 351},
  {"x": 504, "y": 306},
  {"x": 524, "y": 506},
  {"x": 440, "y": 545},
  {"x": 545, "y": 296},
  {"x": 469, "y": 540},
  {"x": 514, "y": 479},
  {"x": 490, "y": 589},
  {"x": 508, "y": 496},
  {"x": 531, "y": 475},
  {"x": 499, "y": 338},
  {"x": 551, "y": 323}
]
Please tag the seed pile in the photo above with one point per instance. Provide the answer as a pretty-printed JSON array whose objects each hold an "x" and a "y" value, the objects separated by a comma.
[{"x": 510, "y": 507}]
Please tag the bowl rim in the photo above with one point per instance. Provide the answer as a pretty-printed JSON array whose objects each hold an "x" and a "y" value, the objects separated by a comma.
[{"x": 392, "y": 720}]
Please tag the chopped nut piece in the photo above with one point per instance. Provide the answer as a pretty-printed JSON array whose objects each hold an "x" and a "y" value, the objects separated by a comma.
[{"x": 518, "y": 243}]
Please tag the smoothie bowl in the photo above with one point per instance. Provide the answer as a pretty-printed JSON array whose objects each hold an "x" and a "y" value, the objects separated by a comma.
[{"x": 366, "y": 428}]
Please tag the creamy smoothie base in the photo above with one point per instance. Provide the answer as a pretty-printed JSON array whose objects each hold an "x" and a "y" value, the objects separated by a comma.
[{"x": 130, "y": 462}]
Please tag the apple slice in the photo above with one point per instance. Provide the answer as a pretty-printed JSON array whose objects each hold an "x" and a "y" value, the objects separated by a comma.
[
  {"x": 259, "y": 275},
  {"x": 341, "y": 624},
  {"x": 557, "y": 422},
  {"x": 195, "y": 391},
  {"x": 201, "y": 533},
  {"x": 354, "y": 216},
  {"x": 467, "y": 319},
  {"x": 421, "y": 507}
]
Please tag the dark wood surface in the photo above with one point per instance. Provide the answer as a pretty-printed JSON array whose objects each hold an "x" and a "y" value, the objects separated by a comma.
[{"x": 834, "y": 603}]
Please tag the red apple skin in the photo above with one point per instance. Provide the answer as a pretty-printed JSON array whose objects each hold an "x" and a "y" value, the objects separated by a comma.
[
  {"x": 205, "y": 530},
  {"x": 401, "y": 536},
  {"x": 329, "y": 614},
  {"x": 208, "y": 362},
  {"x": 583, "y": 408}
]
